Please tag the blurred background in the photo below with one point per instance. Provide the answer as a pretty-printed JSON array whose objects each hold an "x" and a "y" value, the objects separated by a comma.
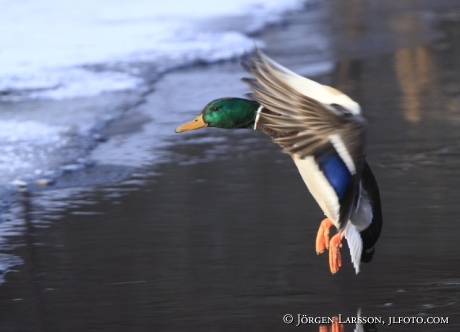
[{"x": 109, "y": 221}]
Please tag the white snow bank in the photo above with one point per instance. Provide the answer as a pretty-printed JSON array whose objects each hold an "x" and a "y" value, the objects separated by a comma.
[{"x": 48, "y": 44}]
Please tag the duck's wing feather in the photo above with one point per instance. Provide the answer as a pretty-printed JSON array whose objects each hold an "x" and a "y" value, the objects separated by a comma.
[{"x": 321, "y": 121}]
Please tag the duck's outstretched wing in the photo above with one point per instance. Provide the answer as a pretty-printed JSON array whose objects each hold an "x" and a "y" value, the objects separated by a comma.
[{"x": 316, "y": 120}]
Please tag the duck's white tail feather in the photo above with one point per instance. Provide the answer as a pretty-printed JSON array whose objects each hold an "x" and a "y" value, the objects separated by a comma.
[{"x": 355, "y": 243}]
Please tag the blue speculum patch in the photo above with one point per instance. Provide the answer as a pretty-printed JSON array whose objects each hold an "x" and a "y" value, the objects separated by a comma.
[{"x": 336, "y": 173}]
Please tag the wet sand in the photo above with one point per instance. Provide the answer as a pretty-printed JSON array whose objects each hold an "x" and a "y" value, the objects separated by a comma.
[{"x": 214, "y": 230}]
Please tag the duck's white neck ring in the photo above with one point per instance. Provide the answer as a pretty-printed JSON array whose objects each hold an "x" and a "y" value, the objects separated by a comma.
[{"x": 258, "y": 116}]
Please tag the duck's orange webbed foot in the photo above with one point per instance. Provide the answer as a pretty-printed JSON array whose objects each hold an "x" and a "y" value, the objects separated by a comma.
[
  {"x": 335, "y": 261},
  {"x": 322, "y": 237}
]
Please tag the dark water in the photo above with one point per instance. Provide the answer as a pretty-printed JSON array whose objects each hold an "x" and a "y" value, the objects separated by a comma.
[{"x": 218, "y": 233}]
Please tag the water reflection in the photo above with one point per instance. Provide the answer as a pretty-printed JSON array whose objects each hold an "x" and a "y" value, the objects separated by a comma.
[
  {"x": 338, "y": 323},
  {"x": 415, "y": 70}
]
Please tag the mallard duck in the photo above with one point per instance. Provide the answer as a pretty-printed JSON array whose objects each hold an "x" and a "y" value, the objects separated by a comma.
[{"x": 323, "y": 131}]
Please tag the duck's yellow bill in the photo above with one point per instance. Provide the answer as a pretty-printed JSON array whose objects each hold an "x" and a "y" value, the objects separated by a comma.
[{"x": 192, "y": 125}]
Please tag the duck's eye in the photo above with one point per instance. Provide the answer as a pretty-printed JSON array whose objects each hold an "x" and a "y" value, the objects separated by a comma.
[{"x": 215, "y": 108}]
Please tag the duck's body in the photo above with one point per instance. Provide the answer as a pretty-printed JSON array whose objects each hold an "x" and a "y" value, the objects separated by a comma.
[{"x": 323, "y": 131}]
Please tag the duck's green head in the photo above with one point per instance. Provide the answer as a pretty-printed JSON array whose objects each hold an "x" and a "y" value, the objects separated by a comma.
[{"x": 228, "y": 113}]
